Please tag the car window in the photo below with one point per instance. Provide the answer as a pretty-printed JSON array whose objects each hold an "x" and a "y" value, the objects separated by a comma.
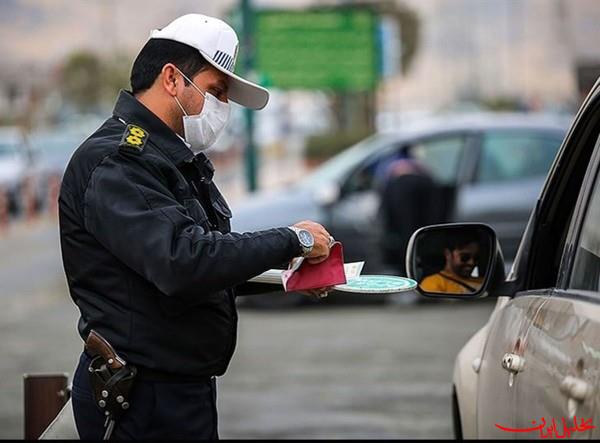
[
  {"x": 336, "y": 168},
  {"x": 369, "y": 175},
  {"x": 586, "y": 268},
  {"x": 513, "y": 156},
  {"x": 441, "y": 155}
]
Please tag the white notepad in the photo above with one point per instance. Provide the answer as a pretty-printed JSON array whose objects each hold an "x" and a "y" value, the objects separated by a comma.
[{"x": 273, "y": 276}]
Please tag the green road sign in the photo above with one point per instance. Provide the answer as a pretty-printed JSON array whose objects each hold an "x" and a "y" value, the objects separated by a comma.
[{"x": 317, "y": 49}]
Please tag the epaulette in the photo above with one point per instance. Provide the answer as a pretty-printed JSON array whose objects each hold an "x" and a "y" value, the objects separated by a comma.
[{"x": 134, "y": 139}]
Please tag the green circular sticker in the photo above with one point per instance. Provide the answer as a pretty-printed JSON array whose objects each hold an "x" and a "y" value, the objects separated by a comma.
[{"x": 377, "y": 284}]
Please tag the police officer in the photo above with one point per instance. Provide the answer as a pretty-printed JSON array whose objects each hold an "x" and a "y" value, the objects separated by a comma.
[{"x": 145, "y": 235}]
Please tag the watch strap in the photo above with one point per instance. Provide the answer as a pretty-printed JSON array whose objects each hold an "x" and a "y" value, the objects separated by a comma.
[{"x": 305, "y": 250}]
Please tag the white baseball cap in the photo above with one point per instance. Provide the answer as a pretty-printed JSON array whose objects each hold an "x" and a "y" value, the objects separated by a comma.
[{"x": 218, "y": 44}]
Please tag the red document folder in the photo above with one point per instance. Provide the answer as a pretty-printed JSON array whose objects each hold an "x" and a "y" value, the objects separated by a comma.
[{"x": 308, "y": 276}]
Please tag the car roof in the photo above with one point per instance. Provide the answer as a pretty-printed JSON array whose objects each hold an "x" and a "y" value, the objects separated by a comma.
[
  {"x": 481, "y": 121},
  {"x": 386, "y": 141}
]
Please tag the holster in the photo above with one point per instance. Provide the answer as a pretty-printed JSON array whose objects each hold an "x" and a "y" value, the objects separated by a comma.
[{"x": 111, "y": 377}]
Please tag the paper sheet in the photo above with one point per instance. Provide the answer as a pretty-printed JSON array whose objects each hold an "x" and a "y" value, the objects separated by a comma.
[{"x": 273, "y": 276}]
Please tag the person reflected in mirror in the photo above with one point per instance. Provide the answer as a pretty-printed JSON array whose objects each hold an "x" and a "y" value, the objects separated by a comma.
[{"x": 461, "y": 273}]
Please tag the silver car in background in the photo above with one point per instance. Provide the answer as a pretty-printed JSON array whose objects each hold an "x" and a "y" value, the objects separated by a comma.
[{"x": 492, "y": 166}]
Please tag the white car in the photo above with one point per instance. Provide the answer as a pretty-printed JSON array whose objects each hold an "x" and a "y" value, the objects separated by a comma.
[{"x": 533, "y": 371}]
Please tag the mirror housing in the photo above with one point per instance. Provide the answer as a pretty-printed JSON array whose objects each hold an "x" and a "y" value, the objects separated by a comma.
[{"x": 455, "y": 260}]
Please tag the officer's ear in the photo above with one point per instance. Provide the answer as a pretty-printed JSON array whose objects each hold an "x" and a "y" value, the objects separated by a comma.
[{"x": 169, "y": 79}]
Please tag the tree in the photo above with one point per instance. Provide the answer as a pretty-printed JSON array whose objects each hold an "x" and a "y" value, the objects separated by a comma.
[
  {"x": 115, "y": 75},
  {"x": 90, "y": 83},
  {"x": 355, "y": 112},
  {"x": 82, "y": 80},
  {"x": 408, "y": 22}
]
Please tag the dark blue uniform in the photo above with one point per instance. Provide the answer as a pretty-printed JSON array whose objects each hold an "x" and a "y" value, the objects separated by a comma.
[{"x": 151, "y": 263}]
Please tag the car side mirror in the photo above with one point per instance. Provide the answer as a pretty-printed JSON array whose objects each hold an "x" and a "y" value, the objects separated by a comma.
[{"x": 457, "y": 260}]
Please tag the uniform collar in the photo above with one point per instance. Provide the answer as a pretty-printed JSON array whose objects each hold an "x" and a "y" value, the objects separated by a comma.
[{"x": 131, "y": 110}]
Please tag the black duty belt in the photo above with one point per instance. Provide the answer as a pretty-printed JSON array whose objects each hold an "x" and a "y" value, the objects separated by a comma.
[{"x": 149, "y": 374}]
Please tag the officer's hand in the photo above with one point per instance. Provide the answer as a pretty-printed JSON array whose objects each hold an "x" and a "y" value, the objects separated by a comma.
[
  {"x": 319, "y": 293},
  {"x": 320, "y": 250}
]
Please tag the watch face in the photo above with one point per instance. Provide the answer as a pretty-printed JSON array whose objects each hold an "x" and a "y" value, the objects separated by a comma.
[{"x": 306, "y": 238}]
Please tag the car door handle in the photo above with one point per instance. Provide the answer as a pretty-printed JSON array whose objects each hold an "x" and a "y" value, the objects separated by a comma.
[
  {"x": 576, "y": 388},
  {"x": 513, "y": 363}
]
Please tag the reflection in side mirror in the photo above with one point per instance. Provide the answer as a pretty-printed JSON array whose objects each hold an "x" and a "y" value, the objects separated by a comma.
[{"x": 454, "y": 260}]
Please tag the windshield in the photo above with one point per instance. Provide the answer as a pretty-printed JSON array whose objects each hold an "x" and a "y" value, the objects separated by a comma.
[{"x": 336, "y": 168}]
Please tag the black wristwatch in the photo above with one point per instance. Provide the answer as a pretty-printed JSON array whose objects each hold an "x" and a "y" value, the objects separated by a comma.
[{"x": 306, "y": 239}]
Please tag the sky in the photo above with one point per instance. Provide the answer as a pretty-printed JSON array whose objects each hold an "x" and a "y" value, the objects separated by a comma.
[
  {"x": 502, "y": 46},
  {"x": 40, "y": 31}
]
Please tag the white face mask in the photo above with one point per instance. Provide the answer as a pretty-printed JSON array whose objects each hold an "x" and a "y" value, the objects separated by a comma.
[{"x": 201, "y": 131}]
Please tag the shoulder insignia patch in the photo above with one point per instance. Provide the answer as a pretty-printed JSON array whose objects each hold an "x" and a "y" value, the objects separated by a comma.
[{"x": 134, "y": 138}]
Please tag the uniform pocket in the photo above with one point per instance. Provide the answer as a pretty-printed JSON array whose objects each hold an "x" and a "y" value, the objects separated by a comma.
[
  {"x": 139, "y": 422},
  {"x": 222, "y": 207},
  {"x": 197, "y": 212},
  {"x": 223, "y": 213}
]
